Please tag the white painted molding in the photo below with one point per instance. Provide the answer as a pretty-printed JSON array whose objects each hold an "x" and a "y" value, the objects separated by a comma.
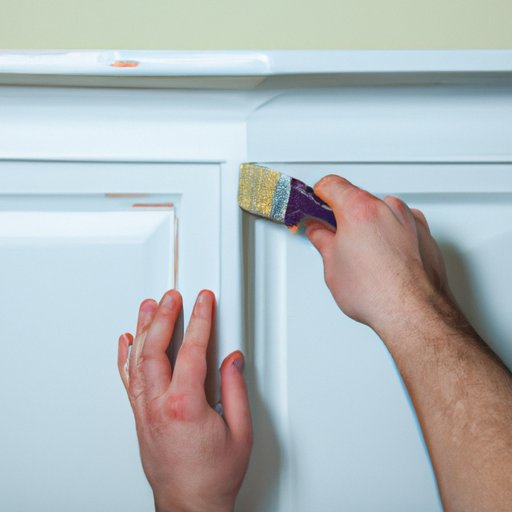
[{"x": 250, "y": 63}]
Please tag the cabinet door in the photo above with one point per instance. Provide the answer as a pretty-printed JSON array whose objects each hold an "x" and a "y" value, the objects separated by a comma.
[
  {"x": 81, "y": 245},
  {"x": 335, "y": 429}
]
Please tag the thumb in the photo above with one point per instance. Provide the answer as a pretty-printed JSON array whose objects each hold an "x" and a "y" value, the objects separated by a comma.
[
  {"x": 235, "y": 400},
  {"x": 320, "y": 236}
]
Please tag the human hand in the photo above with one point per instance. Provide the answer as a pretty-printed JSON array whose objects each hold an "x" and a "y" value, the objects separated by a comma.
[
  {"x": 382, "y": 261},
  {"x": 194, "y": 459}
]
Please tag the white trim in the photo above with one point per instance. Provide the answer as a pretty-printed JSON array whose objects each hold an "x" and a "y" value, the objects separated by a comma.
[{"x": 250, "y": 63}]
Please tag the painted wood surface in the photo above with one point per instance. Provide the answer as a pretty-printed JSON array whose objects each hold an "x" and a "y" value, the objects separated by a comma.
[{"x": 334, "y": 427}]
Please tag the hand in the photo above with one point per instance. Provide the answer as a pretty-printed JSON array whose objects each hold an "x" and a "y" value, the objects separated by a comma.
[
  {"x": 382, "y": 257},
  {"x": 194, "y": 459}
]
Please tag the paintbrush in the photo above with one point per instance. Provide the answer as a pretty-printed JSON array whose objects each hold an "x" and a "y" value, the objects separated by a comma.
[{"x": 278, "y": 197}]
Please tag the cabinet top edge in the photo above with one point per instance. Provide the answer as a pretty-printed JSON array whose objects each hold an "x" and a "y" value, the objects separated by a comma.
[{"x": 250, "y": 63}]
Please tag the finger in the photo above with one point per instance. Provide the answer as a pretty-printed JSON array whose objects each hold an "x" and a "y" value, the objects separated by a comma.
[
  {"x": 431, "y": 256},
  {"x": 320, "y": 236},
  {"x": 348, "y": 201},
  {"x": 160, "y": 330},
  {"x": 428, "y": 246},
  {"x": 190, "y": 369},
  {"x": 333, "y": 189},
  {"x": 420, "y": 218},
  {"x": 152, "y": 358},
  {"x": 235, "y": 400},
  {"x": 125, "y": 342},
  {"x": 147, "y": 311},
  {"x": 401, "y": 211}
]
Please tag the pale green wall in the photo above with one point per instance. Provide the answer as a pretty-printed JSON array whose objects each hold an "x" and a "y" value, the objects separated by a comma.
[{"x": 265, "y": 24}]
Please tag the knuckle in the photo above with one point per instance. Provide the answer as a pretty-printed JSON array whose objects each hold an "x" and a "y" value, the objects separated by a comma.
[
  {"x": 329, "y": 178},
  {"x": 330, "y": 181},
  {"x": 165, "y": 313},
  {"x": 419, "y": 216},
  {"x": 167, "y": 309},
  {"x": 192, "y": 350},
  {"x": 180, "y": 407},
  {"x": 145, "y": 350},
  {"x": 192, "y": 359},
  {"x": 398, "y": 205},
  {"x": 396, "y": 201},
  {"x": 364, "y": 206}
]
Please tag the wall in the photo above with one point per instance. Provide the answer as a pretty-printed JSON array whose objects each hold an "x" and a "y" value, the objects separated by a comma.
[{"x": 265, "y": 24}]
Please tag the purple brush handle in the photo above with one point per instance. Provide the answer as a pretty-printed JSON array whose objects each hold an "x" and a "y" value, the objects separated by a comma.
[{"x": 304, "y": 202}]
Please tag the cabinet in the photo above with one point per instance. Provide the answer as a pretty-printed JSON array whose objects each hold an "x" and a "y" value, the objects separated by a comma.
[{"x": 118, "y": 183}]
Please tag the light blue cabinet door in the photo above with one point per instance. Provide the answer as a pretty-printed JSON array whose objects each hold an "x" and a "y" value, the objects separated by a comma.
[
  {"x": 334, "y": 426},
  {"x": 81, "y": 245}
]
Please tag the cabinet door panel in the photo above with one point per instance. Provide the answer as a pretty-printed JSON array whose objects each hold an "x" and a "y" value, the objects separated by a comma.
[
  {"x": 74, "y": 268},
  {"x": 334, "y": 425},
  {"x": 68, "y": 291}
]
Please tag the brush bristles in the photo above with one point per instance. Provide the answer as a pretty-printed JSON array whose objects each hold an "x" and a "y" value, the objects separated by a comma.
[{"x": 263, "y": 191}]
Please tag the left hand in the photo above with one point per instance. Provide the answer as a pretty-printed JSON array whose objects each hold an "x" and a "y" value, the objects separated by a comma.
[{"x": 194, "y": 459}]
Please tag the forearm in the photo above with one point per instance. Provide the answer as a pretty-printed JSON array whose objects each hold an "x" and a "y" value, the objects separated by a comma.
[
  {"x": 462, "y": 395},
  {"x": 385, "y": 270}
]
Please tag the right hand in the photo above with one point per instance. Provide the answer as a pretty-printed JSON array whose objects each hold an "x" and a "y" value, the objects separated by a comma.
[{"x": 381, "y": 259}]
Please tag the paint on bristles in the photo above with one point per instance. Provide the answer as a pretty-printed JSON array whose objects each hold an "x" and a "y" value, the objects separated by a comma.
[{"x": 271, "y": 194}]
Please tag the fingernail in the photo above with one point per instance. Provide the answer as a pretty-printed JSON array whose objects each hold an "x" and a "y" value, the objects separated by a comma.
[
  {"x": 239, "y": 364},
  {"x": 147, "y": 306},
  {"x": 167, "y": 301},
  {"x": 237, "y": 360}
]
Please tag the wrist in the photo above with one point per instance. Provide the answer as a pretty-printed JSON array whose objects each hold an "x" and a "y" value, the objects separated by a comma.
[
  {"x": 424, "y": 315},
  {"x": 166, "y": 505},
  {"x": 171, "y": 508}
]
